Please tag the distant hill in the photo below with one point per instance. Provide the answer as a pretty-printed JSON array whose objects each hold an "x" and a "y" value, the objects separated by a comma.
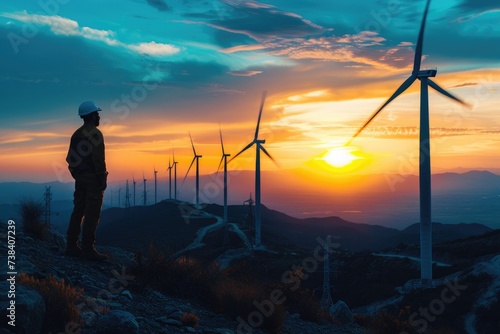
[
  {"x": 389, "y": 200},
  {"x": 166, "y": 224},
  {"x": 163, "y": 224}
]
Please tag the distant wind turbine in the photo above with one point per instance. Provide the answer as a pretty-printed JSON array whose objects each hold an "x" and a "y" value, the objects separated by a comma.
[
  {"x": 169, "y": 169},
  {"x": 174, "y": 164},
  {"x": 258, "y": 147},
  {"x": 197, "y": 158},
  {"x": 134, "y": 182},
  {"x": 144, "y": 182},
  {"x": 156, "y": 172},
  {"x": 425, "y": 161},
  {"x": 224, "y": 159}
]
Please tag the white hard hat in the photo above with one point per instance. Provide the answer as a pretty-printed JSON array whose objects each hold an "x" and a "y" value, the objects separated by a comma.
[{"x": 87, "y": 107}]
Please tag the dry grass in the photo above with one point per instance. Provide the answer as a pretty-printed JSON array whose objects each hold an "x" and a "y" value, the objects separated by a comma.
[
  {"x": 191, "y": 278},
  {"x": 190, "y": 319},
  {"x": 60, "y": 301}
]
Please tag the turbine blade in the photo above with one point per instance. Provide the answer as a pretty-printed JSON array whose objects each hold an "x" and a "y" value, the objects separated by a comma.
[
  {"x": 400, "y": 90},
  {"x": 192, "y": 162},
  {"x": 243, "y": 150},
  {"x": 264, "y": 93},
  {"x": 220, "y": 163},
  {"x": 420, "y": 42},
  {"x": 192, "y": 145},
  {"x": 221, "y": 142},
  {"x": 445, "y": 93},
  {"x": 267, "y": 153}
]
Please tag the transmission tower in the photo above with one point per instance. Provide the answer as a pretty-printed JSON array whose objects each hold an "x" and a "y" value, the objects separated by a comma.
[
  {"x": 326, "y": 299},
  {"x": 249, "y": 219},
  {"x": 48, "y": 199}
]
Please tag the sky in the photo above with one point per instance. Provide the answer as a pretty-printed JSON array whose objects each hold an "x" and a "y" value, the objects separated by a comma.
[{"x": 164, "y": 69}]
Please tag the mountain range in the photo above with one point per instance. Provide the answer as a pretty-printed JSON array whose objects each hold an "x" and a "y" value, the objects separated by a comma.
[
  {"x": 388, "y": 200},
  {"x": 174, "y": 225}
]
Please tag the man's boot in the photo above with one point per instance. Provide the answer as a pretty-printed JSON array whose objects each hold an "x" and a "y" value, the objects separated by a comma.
[
  {"x": 72, "y": 249},
  {"x": 90, "y": 253}
]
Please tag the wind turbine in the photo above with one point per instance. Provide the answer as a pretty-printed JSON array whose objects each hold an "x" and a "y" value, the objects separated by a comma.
[
  {"x": 258, "y": 147},
  {"x": 144, "y": 182},
  {"x": 155, "y": 172},
  {"x": 169, "y": 169},
  {"x": 174, "y": 164},
  {"x": 224, "y": 159},
  {"x": 197, "y": 158},
  {"x": 134, "y": 182},
  {"x": 425, "y": 161}
]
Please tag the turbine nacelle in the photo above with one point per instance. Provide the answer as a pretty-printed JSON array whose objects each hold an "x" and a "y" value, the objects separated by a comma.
[{"x": 427, "y": 73}]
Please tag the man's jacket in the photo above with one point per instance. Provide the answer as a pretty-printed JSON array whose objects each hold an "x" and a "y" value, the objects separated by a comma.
[{"x": 86, "y": 153}]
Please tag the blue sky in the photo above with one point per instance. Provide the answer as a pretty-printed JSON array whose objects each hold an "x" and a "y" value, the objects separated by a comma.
[{"x": 162, "y": 68}]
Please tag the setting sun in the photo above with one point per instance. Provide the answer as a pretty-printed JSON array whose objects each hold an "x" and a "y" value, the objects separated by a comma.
[{"x": 339, "y": 157}]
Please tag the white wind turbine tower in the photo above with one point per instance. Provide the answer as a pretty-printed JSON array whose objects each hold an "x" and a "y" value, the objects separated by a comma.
[
  {"x": 174, "y": 164},
  {"x": 224, "y": 159},
  {"x": 425, "y": 162},
  {"x": 155, "y": 172},
  {"x": 197, "y": 158},
  {"x": 134, "y": 182},
  {"x": 258, "y": 147},
  {"x": 169, "y": 169},
  {"x": 145, "y": 200}
]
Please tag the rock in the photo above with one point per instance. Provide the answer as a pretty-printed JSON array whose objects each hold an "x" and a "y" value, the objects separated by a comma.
[
  {"x": 127, "y": 294},
  {"x": 218, "y": 331},
  {"x": 171, "y": 322},
  {"x": 341, "y": 312},
  {"x": 29, "y": 308},
  {"x": 117, "y": 321},
  {"x": 158, "y": 295},
  {"x": 57, "y": 240},
  {"x": 190, "y": 329},
  {"x": 225, "y": 331}
]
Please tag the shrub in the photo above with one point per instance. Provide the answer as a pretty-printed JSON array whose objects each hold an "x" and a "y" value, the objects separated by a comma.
[
  {"x": 60, "y": 301},
  {"x": 221, "y": 290},
  {"x": 31, "y": 212},
  {"x": 240, "y": 299}
]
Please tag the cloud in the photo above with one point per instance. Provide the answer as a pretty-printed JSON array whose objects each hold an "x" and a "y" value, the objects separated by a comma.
[
  {"x": 63, "y": 26},
  {"x": 161, "y": 5},
  {"x": 240, "y": 48},
  {"x": 244, "y": 73},
  {"x": 472, "y": 9},
  {"x": 155, "y": 49},
  {"x": 465, "y": 84},
  {"x": 260, "y": 21}
]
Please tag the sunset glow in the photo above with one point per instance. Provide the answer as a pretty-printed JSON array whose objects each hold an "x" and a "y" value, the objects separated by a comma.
[
  {"x": 339, "y": 157},
  {"x": 324, "y": 75}
]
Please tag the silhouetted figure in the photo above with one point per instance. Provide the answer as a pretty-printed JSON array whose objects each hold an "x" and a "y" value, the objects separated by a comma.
[{"x": 88, "y": 167}]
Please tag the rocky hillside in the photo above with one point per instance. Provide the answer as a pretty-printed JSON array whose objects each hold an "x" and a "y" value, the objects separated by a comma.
[
  {"x": 111, "y": 300},
  {"x": 211, "y": 286}
]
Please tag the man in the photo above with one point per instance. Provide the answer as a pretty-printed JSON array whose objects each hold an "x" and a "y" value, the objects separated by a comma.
[{"x": 88, "y": 167}]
